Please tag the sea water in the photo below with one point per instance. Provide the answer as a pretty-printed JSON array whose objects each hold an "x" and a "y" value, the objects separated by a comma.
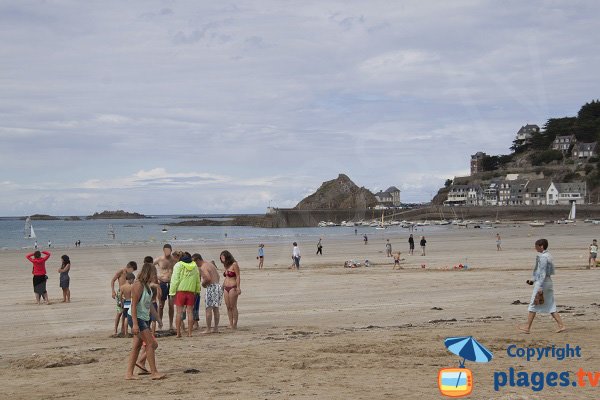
[{"x": 129, "y": 232}]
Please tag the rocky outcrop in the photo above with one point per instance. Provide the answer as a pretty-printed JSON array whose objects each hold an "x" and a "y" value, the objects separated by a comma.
[
  {"x": 339, "y": 193},
  {"x": 119, "y": 214}
]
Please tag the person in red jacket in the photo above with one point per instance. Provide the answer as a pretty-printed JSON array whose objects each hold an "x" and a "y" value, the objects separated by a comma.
[{"x": 39, "y": 274}]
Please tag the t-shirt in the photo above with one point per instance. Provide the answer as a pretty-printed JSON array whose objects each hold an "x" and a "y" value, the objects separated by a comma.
[
  {"x": 423, "y": 241},
  {"x": 296, "y": 252},
  {"x": 593, "y": 248},
  {"x": 261, "y": 252}
]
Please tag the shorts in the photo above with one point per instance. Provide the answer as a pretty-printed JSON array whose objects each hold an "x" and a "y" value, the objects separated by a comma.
[
  {"x": 213, "y": 295},
  {"x": 143, "y": 325},
  {"x": 297, "y": 262},
  {"x": 196, "y": 310},
  {"x": 593, "y": 255},
  {"x": 185, "y": 298},
  {"x": 396, "y": 262},
  {"x": 39, "y": 284},
  {"x": 119, "y": 302},
  {"x": 164, "y": 290},
  {"x": 64, "y": 282},
  {"x": 126, "y": 307}
]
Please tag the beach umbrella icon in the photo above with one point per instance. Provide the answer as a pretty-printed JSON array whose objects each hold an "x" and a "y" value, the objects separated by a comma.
[{"x": 468, "y": 348}]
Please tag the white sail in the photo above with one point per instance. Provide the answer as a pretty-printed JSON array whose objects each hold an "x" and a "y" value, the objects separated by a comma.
[
  {"x": 572, "y": 213},
  {"x": 28, "y": 232},
  {"x": 111, "y": 231}
]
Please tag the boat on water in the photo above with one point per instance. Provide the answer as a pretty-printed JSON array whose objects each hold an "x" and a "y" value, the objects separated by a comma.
[
  {"x": 537, "y": 224},
  {"x": 164, "y": 230},
  {"x": 322, "y": 224}
]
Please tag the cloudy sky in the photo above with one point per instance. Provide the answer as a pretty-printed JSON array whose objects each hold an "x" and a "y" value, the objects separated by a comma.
[{"x": 215, "y": 106}]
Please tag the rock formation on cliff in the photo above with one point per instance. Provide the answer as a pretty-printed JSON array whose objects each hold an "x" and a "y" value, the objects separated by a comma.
[{"x": 339, "y": 193}]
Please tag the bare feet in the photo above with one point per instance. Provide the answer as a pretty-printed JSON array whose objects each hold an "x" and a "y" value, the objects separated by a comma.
[
  {"x": 523, "y": 329},
  {"x": 178, "y": 336},
  {"x": 157, "y": 376},
  {"x": 215, "y": 330},
  {"x": 205, "y": 332},
  {"x": 131, "y": 378},
  {"x": 561, "y": 328}
]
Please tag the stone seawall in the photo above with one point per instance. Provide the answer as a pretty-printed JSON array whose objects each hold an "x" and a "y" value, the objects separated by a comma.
[{"x": 290, "y": 218}]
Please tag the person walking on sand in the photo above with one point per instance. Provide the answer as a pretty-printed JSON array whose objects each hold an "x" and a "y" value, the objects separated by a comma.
[
  {"x": 261, "y": 255},
  {"x": 213, "y": 293},
  {"x": 296, "y": 256},
  {"x": 185, "y": 285},
  {"x": 39, "y": 274},
  {"x": 164, "y": 265},
  {"x": 232, "y": 286},
  {"x": 139, "y": 321},
  {"x": 498, "y": 242},
  {"x": 64, "y": 278},
  {"x": 542, "y": 298},
  {"x": 320, "y": 247},
  {"x": 593, "y": 254},
  {"x": 423, "y": 243},
  {"x": 411, "y": 245},
  {"x": 388, "y": 248},
  {"x": 365, "y": 238}
]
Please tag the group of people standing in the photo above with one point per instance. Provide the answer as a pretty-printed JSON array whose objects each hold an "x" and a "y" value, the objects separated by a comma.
[
  {"x": 174, "y": 281},
  {"x": 38, "y": 260}
]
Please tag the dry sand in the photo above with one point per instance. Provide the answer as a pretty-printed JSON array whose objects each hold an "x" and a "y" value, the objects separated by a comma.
[{"x": 325, "y": 332}]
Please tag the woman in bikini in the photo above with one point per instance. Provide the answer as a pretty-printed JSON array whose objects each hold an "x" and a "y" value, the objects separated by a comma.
[{"x": 232, "y": 287}]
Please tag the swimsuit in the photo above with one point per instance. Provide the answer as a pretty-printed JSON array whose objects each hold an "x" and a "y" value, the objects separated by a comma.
[
  {"x": 126, "y": 306},
  {"x": 229, "y": 274},
  {"x": 213, "y": 295},
  {"x": 228, "y": 288},
  {"x": 118, "y": 299}
]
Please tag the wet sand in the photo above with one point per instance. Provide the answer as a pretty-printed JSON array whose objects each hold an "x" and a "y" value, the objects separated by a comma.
[{"x": 324, "y": 332}]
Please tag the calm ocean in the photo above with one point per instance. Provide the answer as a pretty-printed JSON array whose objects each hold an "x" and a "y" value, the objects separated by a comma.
[{"x": 147, "y": 231}]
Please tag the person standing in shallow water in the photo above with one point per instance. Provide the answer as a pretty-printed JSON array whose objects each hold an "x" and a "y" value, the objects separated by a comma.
[
  {"x": 232, "y": 286},
  {"x": 542, "y": 298},
  {"x": 39, "y": 274},
  {"x": 411, "y": 245},
  {"x": 65, "y": 279}
]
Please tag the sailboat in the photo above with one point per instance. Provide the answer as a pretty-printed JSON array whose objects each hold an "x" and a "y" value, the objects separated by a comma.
[
  {"x": 111, "y": 232},
  {"x": 571, "y": 217},
  {"x": 381, "y": 225},
  {"x": 28, "y": 231}
]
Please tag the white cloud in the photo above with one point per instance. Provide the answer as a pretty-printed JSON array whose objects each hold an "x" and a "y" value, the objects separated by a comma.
[{"x": 254, "y": 100}]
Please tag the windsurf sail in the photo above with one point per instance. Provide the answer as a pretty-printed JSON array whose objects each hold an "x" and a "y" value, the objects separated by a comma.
[
  {"x": 111, "y": 232},
  {"x": 29, "y": 232}
]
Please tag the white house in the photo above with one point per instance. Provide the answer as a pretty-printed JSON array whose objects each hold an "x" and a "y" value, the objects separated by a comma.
[
  {"x": 572, "y": 192},
  {"x": 464, "y": 195},
  {"x": 552, "y": 194}
]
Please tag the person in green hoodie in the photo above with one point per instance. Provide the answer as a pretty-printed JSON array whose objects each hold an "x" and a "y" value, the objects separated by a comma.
[{"x": 185, "y": 285}]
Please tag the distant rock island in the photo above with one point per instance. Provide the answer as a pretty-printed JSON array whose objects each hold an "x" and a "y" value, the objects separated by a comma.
[
  {"x": 119, "y": 214},
  {"x": 339, "y": 193},
  {"x": 42, "y": 217}
]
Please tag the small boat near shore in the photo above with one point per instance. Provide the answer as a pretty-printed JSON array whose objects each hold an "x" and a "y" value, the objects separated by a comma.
[{"x": 537, "y": 224}]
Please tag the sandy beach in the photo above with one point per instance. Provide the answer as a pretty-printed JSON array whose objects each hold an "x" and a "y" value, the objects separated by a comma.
[{"x": 325, "y": 332}]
